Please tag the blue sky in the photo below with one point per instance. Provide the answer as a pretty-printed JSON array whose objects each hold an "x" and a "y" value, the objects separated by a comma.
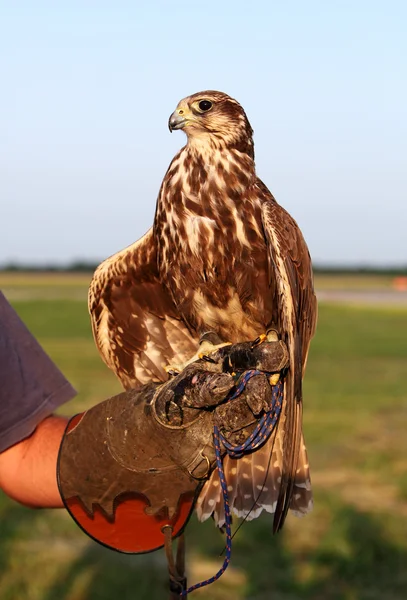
[{"x": 87, "y": 88}]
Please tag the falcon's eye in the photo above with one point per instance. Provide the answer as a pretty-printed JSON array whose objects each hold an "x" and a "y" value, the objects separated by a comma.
[{"x": 205, "y": 105}]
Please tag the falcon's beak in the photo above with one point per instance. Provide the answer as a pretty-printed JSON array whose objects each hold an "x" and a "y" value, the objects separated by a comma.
[{"x": 176, "y": 120}]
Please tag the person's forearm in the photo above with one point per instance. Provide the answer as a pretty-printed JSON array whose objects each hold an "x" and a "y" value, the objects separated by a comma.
[{"x": 28, "y": 469}]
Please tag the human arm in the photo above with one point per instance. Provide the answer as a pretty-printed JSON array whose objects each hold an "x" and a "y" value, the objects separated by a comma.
[
  {"x": 31, "y": 388},
  {"x": 28, "y": 468}
]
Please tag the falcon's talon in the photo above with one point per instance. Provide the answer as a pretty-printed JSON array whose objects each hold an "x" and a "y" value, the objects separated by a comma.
[
  {"x": 172, "y": 370},
  {"x": 206, "y": 358},
  {"x": 259, "y": 340}
]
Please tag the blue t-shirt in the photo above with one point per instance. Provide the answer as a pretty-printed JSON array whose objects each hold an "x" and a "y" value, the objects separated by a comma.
[{"x": 31, "y": 386}]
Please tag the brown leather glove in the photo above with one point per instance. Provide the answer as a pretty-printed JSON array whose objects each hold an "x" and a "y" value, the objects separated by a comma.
[{"x": 136, "y": 462}]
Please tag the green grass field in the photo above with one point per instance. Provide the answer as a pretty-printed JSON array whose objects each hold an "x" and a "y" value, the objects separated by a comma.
[{"x": 352, "y": 546}]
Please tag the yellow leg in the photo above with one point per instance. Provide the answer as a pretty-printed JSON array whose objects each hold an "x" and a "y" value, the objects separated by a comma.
[{"x": 206, "y": 348}]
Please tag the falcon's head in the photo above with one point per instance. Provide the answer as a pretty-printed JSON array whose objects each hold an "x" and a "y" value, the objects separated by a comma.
[{"x": 215, "y": 118}]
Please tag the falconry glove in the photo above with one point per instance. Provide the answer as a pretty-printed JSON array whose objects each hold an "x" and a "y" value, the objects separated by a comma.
[{"x": 134, "y": 464}]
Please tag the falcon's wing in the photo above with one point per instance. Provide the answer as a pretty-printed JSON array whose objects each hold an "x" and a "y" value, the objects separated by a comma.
[
  {"x": 291, "y": 272},
  {"x": 135, "y": 323}
]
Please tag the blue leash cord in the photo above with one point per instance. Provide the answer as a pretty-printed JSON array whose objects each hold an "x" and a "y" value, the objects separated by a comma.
[
  {"x": 256, "y": 439},
  {"x": 266, "y": 424}
]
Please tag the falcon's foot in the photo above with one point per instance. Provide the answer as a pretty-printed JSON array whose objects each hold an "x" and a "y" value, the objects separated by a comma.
[
  {"x": 270, "y": 336},
  {"x": 207, "y": 348},
  {"x": 209, "y": 343}
]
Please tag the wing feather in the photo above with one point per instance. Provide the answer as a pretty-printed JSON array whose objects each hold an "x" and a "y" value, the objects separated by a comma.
[
  {"x": 135, "y": 324},
  {"x": 290, "y": 268}
]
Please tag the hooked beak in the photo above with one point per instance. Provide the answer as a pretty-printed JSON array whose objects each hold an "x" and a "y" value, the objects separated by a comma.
[{"x": 176, "y": 121}]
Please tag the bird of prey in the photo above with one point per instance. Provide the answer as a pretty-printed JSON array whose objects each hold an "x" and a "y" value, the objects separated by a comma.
[{"x": 222, "y": 256}]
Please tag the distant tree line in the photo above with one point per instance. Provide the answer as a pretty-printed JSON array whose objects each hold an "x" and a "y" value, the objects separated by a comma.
[
  {"x": 390, "y": 270},
  {"x": 79, "y": 266},
  {"x": 83, "y": 266}
]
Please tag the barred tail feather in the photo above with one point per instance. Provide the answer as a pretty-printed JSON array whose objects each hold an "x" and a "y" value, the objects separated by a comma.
[
  {"x": 302, "y": 501},
  {"x": 253, "y": 483}
]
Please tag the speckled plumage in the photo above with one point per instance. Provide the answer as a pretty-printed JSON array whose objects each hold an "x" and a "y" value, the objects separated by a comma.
[{"x": 221, "y": 256}]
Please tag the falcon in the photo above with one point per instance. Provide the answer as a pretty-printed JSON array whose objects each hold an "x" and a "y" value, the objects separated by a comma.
[{"x": 222, "y": 257}]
